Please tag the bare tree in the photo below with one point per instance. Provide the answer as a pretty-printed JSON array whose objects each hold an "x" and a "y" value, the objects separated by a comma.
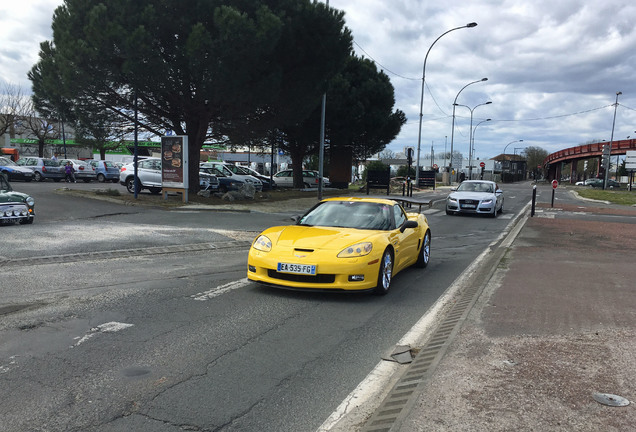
[
  {"x": 13, "y": 105},
  {"x": 39, "y": 128}
]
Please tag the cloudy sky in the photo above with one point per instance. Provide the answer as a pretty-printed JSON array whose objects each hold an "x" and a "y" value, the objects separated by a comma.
[{"x": 553, "y": 67}]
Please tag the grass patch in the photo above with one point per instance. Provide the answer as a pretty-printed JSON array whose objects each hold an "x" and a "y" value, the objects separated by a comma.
[{"x": 622, "y": 197}]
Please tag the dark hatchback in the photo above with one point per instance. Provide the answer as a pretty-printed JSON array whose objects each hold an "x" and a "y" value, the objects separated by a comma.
[{"x": 15, "y": 206}]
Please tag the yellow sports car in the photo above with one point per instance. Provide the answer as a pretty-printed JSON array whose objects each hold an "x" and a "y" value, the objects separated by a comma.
[{"x": 341, "y": 244}]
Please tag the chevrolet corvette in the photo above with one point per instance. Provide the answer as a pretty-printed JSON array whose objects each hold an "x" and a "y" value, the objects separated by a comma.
[{"x": 341, "y": 244}]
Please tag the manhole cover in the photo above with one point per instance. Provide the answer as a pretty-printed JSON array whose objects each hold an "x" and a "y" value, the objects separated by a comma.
[{"x": 610, "y": 399}]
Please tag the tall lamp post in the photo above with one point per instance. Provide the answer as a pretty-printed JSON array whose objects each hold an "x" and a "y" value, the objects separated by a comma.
[
  {"x": 321, "y": 150},
  {"x": 470, "y": 137},
  {"x": 419, "y": 135},
  {"x": 610, "y": 145},
  {"x": 504, "y": 156},
  {"x": 472, "y": 140},
  {"x": 450, "y": 165}
]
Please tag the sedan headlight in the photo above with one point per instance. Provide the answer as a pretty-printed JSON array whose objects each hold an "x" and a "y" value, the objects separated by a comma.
[
  {"x": 488, "y": 201},
  {"x": 450, "y": 198},
  {"x": 262, "y": 243},
  {"x": 357, "y": 250}
]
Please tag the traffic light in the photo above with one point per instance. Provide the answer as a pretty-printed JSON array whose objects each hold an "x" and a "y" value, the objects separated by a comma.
[{"x": 605, "y": 156}]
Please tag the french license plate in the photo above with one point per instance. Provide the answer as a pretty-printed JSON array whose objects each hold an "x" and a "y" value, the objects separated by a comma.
[
  {"x": 472, "y": 206},
  {"x": 297, "y": 268}
]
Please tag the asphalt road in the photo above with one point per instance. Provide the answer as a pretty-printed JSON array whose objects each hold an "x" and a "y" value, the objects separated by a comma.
[{"x": 119, "y": 318}]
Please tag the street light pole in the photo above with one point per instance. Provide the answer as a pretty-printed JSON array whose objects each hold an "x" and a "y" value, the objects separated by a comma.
[
  {"x": 450, "y": 164},
  {"x": 321, "y": 151},
  {"x": 470, "y": 138},
  {"x": 504, "y": 156},
  {"x": 472, "y": 144},
  {"x": 610, "y": 145},
  {"x": 419, "y": 135}
]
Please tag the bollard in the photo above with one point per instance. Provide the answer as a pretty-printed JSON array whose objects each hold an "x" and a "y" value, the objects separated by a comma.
[{"x": 534, "y": 199}]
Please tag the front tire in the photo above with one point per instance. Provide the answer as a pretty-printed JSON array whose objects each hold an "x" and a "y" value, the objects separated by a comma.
[
  {"x": 425, "y": 251},
  {"x": 385, "y": 273},
  {"x": 37, "y": 177},
  {"x": 130, "y": 185}
]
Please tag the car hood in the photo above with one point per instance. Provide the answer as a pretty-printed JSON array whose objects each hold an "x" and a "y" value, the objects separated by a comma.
[
  {"x": 12, "y": 196},
  {"x": 325, "y": 238},
  {"x": 472, "y": 195},
  {"x": 19, "y": 168}
]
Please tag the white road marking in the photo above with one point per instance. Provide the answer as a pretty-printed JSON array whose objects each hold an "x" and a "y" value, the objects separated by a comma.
[
  {"x": 222, "y": 289},
  {"x": 109, "y": 327}
]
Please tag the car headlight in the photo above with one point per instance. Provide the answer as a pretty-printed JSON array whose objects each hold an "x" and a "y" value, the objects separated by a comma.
[
  {"x": 30, "y": 201},
  {"x": 452, "y": 199},
  {"x": 357, "y": 250},
  {"x": 262, "y": 243},
  {"x": 488, "y": 201}
]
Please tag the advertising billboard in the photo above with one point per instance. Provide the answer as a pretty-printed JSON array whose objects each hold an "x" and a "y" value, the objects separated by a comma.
[{"x": 174, "y": 162}]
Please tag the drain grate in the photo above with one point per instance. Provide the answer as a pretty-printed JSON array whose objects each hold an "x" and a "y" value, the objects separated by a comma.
[{"x": 403, "y": 394}]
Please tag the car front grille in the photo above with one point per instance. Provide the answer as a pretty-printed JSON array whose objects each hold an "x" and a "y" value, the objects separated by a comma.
[
  {"x": 319, "y": 279},
  {"x": 470, "y": 202}
]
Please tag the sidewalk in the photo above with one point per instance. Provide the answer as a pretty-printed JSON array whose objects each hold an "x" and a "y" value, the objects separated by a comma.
[{"x": 555, "y": 324}]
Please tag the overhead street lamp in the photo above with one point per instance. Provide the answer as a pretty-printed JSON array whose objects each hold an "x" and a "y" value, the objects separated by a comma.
[
  {"x": 473, "y": 137},
  {"x": 470, "y": 137},
  {"x": 610, "y": 145},
  {"x": 504, "y": 155},
  {"x": 450, "y": 165},
  {"x": 419, "y": 135}
]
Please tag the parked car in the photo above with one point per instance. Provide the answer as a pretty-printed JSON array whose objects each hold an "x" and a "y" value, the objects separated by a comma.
[
  {"x": 43, "y": 168},
  {"x": 285, "y": 178},
  {"x": 598, "y": 183},
  {"x": 83, "y": 170},
  {"x": 105, "y": 170},
  {"x": 477, "y": 197},
  {"x": 325, "y": 180},
  {"x": 14, "y": 171},
  {"x": 15, "y": 206},
  {"x": 230, "y": 170},
  {"x": 148, "y": 173},
  {"x": 226, "y": 183},
  {"x": 208, "y": 181},
  {"x": 267, "y": 183},
  {"x": 586, "y": 182},
  {"x": 341, "y": 244}
]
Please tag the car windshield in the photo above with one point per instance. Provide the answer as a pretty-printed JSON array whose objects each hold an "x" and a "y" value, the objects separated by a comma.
[
  {"x": 7, "y": 162},
  {"x": 213, "y": 171},
  {"x": 347, "y": 214},
  {"x": 475, "y": 187}
]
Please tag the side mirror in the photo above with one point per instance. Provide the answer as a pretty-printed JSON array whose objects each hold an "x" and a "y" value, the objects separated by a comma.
[
  {"x": 498, "y": 191},
  {"x": 296, "y": 219},
  {"x": 454, "y": 189},
  {"x": 409, "y": 224}
]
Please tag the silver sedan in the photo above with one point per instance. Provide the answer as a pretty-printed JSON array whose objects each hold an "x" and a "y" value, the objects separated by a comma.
[{"x": 476, "y": 197}]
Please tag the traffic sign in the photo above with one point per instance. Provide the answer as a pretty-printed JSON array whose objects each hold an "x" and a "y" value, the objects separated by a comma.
[
  {"x": 554, "y": 184},
  {"x": 435, "y": 166},
  {"x": 482, "y": 164}
]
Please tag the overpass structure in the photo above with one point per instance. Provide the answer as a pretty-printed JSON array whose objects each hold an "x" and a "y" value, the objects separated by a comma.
[{"x": 553, "y": 164}]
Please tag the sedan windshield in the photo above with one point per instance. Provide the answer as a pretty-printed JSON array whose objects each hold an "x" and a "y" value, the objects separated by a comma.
[
  {"x": 345, "y": 214},
  {"x": 475, "y": 187}
]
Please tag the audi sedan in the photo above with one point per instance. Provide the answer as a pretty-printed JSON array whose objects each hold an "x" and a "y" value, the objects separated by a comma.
[
  {"x": 476, "y": 197},
  {"x": 341, "y": 244}
]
